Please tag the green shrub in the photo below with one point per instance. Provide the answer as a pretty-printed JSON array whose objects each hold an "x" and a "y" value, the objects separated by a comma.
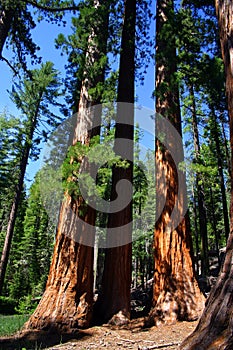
[
  {"x": 7, "y": 306},
  {"x": 26, "y": 305}
]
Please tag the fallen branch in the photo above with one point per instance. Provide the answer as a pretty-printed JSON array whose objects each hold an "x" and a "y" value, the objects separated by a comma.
[
  {"x": 161, "y": 346},
  {"x": 128, "y": 340}
]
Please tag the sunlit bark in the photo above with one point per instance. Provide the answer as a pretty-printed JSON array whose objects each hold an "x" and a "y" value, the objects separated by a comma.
[
  {"x": 115, "y": 295},
  {"x": 176, "y": 295},
  {"x": 68, "y": 299},
  {"x": 215, "y": 327}
]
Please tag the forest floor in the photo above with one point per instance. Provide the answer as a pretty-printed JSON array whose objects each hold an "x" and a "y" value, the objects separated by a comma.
[
  {"x": 105, "y": 337},
  {"x": 163, "y": 337}
]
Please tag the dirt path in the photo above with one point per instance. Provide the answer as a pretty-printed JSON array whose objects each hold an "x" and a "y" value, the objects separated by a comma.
[
  {"x": 163, "y": 337},
  {"x": 105, "y": 337}
]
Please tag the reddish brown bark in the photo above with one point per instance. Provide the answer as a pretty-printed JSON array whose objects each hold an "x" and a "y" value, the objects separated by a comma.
[
  {"x": 176, "y": 295},
  {"x": 215, "y": 327},
  {"x": 115, "y": 294},
  {"x": 68, "y": 299},
  {"x": 67, "y": 302}
]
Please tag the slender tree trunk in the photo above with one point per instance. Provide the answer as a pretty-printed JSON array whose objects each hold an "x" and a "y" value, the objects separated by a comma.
[
  {"x": 10, "y": 226},
  {"x": 176, "y": 295},
  {"x": 228, "y": 158},
  {"x": 215, "y": 226},
  {"x": 2, "y": 219},
  {"x": 95, "y": 264},
  {"x": 68, "y": 298},
  {"x": 115, "y": 295},
  {"x": 216, "y": 137},
  {"x": 16, "y": 201},
  {"x": 196, "y": 232},
  {"x": 214, "y": 330},
  {"x": 136, "y": 273},
  {"x": 200, "y": 191}
]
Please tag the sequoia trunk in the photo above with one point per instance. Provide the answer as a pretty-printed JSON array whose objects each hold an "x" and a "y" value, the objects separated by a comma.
[
  {"x": 68, "y": 299},
  {"x": 215, "y": 327},
  {"x": 176, "y": 295},
  {"x": 115, "y": 295}
]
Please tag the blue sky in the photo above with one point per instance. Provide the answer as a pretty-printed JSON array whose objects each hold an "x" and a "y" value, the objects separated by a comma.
[{"x": 44, "y": 35}]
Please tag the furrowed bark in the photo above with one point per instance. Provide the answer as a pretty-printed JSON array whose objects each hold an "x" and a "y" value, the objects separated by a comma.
[
  {"x": 68, "y": 298},
  {"x": 114, "y": 300},
  {"x": 214, "y": 330},
  {"x": 176, "y": 295}
]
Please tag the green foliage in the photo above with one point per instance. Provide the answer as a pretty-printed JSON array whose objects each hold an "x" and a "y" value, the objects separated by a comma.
[
  {"x": 31, "y": 249},
  {"x": 37, "y": 241},
  {"x": 19, "y": 38},
  {"x": 7, "y": 305},
  {"x": 95, "y": 152},
  {"x": 26, "y": 305},
  {"x": 16, "y": 274},
  {"x": 143, "y": 205},
  {"x": 91, "y": 30},
  {"x": 11, "y": 138},
  {"x": 20, "y": 18},
  {"x": 34, "y": 98}
]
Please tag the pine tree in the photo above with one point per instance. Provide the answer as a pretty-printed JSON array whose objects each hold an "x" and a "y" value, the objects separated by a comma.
[
  {"x": 16, "y": 23},
  {"x": 11, "y": 131},
  {"x": 37, "y": 239},
  {"x": 32, "y": 99},
  {"x": 17, "y": 280}
]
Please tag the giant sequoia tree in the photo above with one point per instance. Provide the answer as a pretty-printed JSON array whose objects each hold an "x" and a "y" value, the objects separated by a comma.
[
  {"x": 115, "y": 295},
  {"x": 68, "y": 297},
  {"x": 176, "y": 295},
  {"x": 214, "y": 330}
]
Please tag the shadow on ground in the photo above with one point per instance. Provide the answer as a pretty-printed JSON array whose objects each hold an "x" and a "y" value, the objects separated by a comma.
[{"x": 39, "y": 339}]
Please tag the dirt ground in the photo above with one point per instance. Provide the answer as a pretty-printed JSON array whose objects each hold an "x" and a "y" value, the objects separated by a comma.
[
  {"x": 162, "y": 337},
  {"x": 105, "y": 337}
]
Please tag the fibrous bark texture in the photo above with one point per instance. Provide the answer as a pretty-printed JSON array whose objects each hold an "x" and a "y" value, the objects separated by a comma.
[
  {"x": 68, "y": 299},
  {"x": 114, "y": 300},
  {"x": 176, "y": 295},
  {"x": 215, "y": 327},
  {"x": 67, "y": 302}
]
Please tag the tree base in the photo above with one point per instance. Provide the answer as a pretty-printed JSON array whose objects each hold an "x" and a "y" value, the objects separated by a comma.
[
  {"x": 55, "y": 315},
  {"x": 119, "y": 320},
  {"x": 215, "y": 327},
  {"x": 172, "y": 307},
  {"x": 206, "y": 340}
]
